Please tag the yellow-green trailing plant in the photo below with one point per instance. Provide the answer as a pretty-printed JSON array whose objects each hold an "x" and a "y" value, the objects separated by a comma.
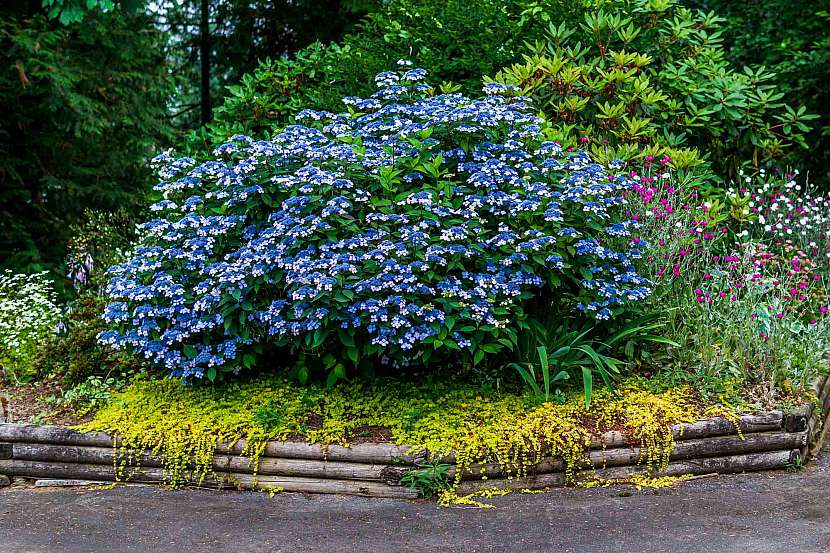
[{"x": 184, "y": 423}]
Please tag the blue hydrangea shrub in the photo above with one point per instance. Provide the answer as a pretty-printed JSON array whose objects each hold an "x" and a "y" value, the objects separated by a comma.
[{"x": 413, "y": 228}]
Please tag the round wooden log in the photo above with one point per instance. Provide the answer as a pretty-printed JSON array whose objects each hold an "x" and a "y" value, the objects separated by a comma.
[
  {"x": 81, "y": 454},
  {"x": 79, "y": 471},
  {"x": 819, "y": 427},
  {"x": 65, "y": 483},
  {"x": 768, "y": 460},
  {"x": 732, "y": 445},
  {"x": 4, "y": 481},
  {"x": 796, "y": 419},
  {"x": 303, "y": 468},
  {"x": 318, "y": 485},
  {"x": 380, "y": 453},
  {"x": 813, "y": 428},
  {"x": 821, "y": 387},
  {"x": 762, "y": 422},
  {"x": 48, "y": 434},
  {"x": 717, "y": 446},
  {"x": 221, "y": 463},
  {"x": 818, "y": 384},
  {"x": 718, "y": 426},
  {"x": 383, "y": 453},
  {"x": 729, "y": 464},
  {"x": 819, "y": 415}
]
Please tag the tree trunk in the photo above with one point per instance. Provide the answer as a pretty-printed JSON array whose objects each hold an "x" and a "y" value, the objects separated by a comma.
[{"x": 204, "y": 58}]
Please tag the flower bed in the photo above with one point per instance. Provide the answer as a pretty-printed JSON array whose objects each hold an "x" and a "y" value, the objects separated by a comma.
[{"x": 761, "y": 441}]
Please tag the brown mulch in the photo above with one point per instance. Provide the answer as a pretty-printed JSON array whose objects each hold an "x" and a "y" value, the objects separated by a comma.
[{"x": 35, "y": 404}]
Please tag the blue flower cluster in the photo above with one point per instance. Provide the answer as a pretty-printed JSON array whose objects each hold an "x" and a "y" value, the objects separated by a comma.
[{"x": 411, "y": 226}]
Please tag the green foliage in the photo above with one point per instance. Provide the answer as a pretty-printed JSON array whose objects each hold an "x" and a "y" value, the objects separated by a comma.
[
  {"x": 92, "y": 393},
  {"x": 98, "y": 242},
  {"x": 243, "y": 32},
  {"x": 577, "y": 355},
  {"x": 455, "y": 40},
  {"x": 648, "y": 77},
  {"x": 73, "y": 11},
  {"x": 84, "y": 106},
  {"x": 530, "y": 379},
  {"x": 791, "y": 39},
  {"x": 429, "y": 479},
  {"x": 275, "y": 91},
  {"x": 75, "y": 355}
]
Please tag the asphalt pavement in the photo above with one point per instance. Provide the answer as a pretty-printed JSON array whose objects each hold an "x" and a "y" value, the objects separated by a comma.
[{"x": 751, "y": 513}]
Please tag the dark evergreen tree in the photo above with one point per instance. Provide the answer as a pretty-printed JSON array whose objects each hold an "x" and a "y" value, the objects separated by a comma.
[{"x": 84, "y": 107}]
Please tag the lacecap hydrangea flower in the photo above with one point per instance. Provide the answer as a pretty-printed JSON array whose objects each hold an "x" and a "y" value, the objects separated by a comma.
[{"x": 411, "y": 228}]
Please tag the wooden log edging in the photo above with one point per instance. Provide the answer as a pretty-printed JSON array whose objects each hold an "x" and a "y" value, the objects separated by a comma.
[
  {"x": 721, "y": 465},
  {"x": 221, "y": 463},
  {"x": 152, "y": 475},
  {"x": 752, "y": 442},
  {"x": 621, "y": 456},
  {"x": 381, "y": 453},
  {"x": 817, "y": 417}
]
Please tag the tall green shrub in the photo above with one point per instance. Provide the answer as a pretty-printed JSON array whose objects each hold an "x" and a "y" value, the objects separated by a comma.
[
  {"x": 455, "y": 40},
  {"x": 83, "y": 107},
  {"x": 649, "y": 77},
  {"x": 791, "y": 39}
]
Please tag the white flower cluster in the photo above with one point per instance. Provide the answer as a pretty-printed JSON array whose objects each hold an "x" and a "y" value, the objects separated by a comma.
[
  {"x": 28, "y": 313},
  {"x": 788, "y": 213}
]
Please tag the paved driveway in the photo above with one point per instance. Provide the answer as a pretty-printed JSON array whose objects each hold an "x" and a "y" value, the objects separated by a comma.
[{"x": 758, "y": 513}]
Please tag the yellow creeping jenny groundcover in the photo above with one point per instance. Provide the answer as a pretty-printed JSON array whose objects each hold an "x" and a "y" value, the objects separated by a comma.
[{"x": 184, "y": 423}]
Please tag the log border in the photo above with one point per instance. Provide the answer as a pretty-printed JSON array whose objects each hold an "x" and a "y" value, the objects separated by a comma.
[{"x": 761, "y": 441}]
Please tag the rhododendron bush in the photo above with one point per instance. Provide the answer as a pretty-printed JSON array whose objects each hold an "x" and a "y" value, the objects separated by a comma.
[{"x": 412, "y": 228}]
